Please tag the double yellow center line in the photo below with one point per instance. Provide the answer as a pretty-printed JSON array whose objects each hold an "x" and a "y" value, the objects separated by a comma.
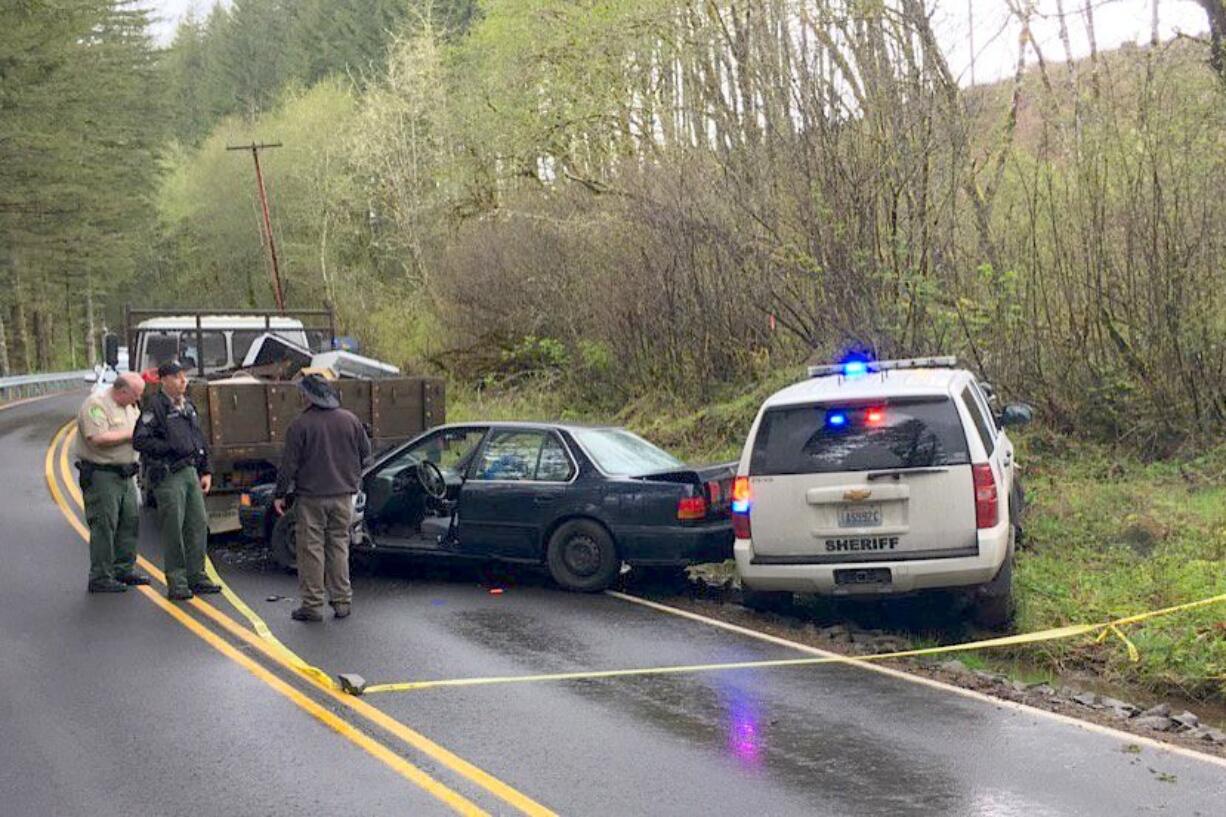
[{"x": 285, "y": 660}]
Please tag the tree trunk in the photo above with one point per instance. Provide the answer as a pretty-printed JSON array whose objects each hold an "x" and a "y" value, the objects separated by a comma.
[
  {"x": 91, "y": 347},
  {"x": 21, "y": 330},
  {"x": 4, "y": 348},
  {"x": 1215, "y": 10}
]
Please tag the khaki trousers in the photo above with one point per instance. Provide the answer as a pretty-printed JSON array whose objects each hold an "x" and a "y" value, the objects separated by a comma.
[{"x": 322, "y": 533}]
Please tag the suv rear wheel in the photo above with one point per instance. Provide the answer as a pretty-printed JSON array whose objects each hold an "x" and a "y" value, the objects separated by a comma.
[{"x": 992, "y": 604}]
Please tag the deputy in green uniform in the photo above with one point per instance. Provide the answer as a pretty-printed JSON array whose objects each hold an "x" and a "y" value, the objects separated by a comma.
[
  {"x": 107, "y": 462},
  {"x": 169, "y": 437}
]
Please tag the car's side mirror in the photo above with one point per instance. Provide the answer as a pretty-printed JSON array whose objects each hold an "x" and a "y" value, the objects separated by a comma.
[
  {"x": 110, "y": 349},
  {"x": 1015, "y": 414}
]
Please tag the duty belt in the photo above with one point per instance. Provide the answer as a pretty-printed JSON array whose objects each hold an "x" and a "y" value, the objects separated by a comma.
[{"x": 125, "y": 471}]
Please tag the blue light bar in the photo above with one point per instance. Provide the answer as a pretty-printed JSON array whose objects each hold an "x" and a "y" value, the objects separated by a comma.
[
  {"x": 836, "y": 418},
  {"x": 857, "y": 368}
]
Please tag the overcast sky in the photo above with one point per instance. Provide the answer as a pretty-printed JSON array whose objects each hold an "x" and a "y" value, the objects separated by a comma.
[{"x": 995, "y": 34}]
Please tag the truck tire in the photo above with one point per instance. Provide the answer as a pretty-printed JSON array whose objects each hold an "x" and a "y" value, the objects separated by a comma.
[
  {"x": 582, "y": 556},
  {"x": 283, "y": 544}
]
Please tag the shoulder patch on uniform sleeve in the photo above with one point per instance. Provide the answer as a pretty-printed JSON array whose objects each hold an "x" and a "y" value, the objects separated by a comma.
[
  {"x": 97, "y": 413},
  {"x": 146, "y": 417}
]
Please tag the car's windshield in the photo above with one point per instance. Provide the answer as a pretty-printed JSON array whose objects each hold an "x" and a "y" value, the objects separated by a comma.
[
  {"x": 617, "y": 452},
  {"x": 159, "y": 349},
  {"x": 814, "y": 439}
]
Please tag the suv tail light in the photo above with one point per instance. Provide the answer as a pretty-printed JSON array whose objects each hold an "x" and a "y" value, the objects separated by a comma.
[
  {"x": 740, "y": 508},
  {"x": 690, "y": 508},
  {"x": 987, "y": 504}
]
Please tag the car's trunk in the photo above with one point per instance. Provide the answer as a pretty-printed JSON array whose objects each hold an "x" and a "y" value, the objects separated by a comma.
[{"x": 711, "y": 481}]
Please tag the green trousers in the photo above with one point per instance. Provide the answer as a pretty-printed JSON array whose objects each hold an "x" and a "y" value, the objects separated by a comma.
[
  {"x": 184, "y": 524},
  {"x": 114, "y": 524}
]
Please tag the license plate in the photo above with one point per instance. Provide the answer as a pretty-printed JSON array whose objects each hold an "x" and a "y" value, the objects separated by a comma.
[
  {"x": 860, "y": 516},
  {"x": 875, "y": 575}
]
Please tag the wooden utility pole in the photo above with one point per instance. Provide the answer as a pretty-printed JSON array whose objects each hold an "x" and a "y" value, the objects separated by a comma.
[{"x": 277, "y": 293}]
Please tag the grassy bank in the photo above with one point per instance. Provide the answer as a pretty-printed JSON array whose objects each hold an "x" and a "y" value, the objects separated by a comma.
[{"x": 1106, "y": 534}]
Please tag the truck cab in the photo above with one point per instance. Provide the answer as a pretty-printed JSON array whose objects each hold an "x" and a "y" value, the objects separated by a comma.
[{"x": 209, "y": 344}]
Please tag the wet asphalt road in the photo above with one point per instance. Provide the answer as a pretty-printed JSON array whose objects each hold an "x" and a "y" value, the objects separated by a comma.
[{"x": 108, "y": 705}]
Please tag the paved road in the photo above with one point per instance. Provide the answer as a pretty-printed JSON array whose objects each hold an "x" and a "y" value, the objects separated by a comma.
[{"x": 111, "y": 705}]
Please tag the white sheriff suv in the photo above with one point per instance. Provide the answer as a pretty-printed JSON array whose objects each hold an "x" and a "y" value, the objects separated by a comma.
[{"x": 873, "y": 478}]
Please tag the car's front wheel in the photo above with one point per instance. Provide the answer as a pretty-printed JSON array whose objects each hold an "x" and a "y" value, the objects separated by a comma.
[{"x": 582, "y": 556}]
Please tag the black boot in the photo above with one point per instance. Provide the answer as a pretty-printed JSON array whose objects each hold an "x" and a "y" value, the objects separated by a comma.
[{"x": 107, "y": 585}]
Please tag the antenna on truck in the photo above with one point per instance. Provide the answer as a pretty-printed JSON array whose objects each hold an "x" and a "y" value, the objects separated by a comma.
[{"x": 277, "y": 294}]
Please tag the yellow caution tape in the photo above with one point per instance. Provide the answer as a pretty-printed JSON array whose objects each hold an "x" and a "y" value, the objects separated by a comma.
[
  {"x": 1104, "y": 629},
  {"x": 261, "y": 629}
]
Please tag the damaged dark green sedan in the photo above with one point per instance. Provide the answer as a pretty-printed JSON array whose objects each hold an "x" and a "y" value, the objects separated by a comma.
[{"x": 581, "y": 500}]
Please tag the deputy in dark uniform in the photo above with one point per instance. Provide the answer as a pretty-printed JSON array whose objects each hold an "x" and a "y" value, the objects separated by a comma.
[{"x": 176, "y": 457}]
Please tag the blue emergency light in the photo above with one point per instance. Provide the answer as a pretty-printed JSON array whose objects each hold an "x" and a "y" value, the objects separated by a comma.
[{"x": 855, "y": 368}]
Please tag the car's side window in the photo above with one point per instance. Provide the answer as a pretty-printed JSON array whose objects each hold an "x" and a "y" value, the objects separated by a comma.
[
  {"x": 450, "y": 448},
  {"x": 985, "y": 405},
  {"x": 553, "y": 463},
  {"x": 981, "y": 423},
  {"x": 447, "y": 448},
  {"x": 510, "y": 455}
]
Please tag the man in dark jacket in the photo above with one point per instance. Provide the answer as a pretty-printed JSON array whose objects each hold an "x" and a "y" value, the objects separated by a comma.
[
  {"x": 325, "y": 448},
  {"x": 176, "y": 456}
]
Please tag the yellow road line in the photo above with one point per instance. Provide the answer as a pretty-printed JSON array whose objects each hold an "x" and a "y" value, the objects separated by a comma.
[
  {"x": 404, "y": 768},
  {"x": 376, "y": 716},
  {"x": 459, "y": 803},
  {"x": 241, "y": 606}
]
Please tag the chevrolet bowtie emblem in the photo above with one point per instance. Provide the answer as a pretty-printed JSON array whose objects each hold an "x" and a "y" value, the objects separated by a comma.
[{"x": 857, "y": 494}]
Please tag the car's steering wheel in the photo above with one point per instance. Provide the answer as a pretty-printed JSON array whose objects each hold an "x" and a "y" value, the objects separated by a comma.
[{"x": 432, "y": 480}]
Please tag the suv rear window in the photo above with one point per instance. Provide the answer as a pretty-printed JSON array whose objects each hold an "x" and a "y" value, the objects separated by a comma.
[{"x": 820, "y": 439}]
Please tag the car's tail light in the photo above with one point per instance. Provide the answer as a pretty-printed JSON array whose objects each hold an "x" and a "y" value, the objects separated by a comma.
[
  {"x": 245, "y": 500},
  {"x": 692, "y": 507},
  {"x": 987, "y": 502},
  {"x": 740, "y": 508}
]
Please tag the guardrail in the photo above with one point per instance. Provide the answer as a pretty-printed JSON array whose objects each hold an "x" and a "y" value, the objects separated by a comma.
[{"x": 33, "y": 385}]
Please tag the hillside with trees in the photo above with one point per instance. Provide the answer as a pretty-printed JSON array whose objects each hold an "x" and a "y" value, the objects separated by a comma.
[{"x": 647, "y": 196}]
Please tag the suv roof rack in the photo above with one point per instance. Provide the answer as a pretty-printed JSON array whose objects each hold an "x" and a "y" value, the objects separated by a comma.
[{"x": 854, "y": 368}]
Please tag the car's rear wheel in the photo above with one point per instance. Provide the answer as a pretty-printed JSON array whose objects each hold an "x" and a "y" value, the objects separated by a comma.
[
  {"x": 768, "y": 601},
  {"x": 582, "y": 556},
  {"x": 284, "y": 543}
]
